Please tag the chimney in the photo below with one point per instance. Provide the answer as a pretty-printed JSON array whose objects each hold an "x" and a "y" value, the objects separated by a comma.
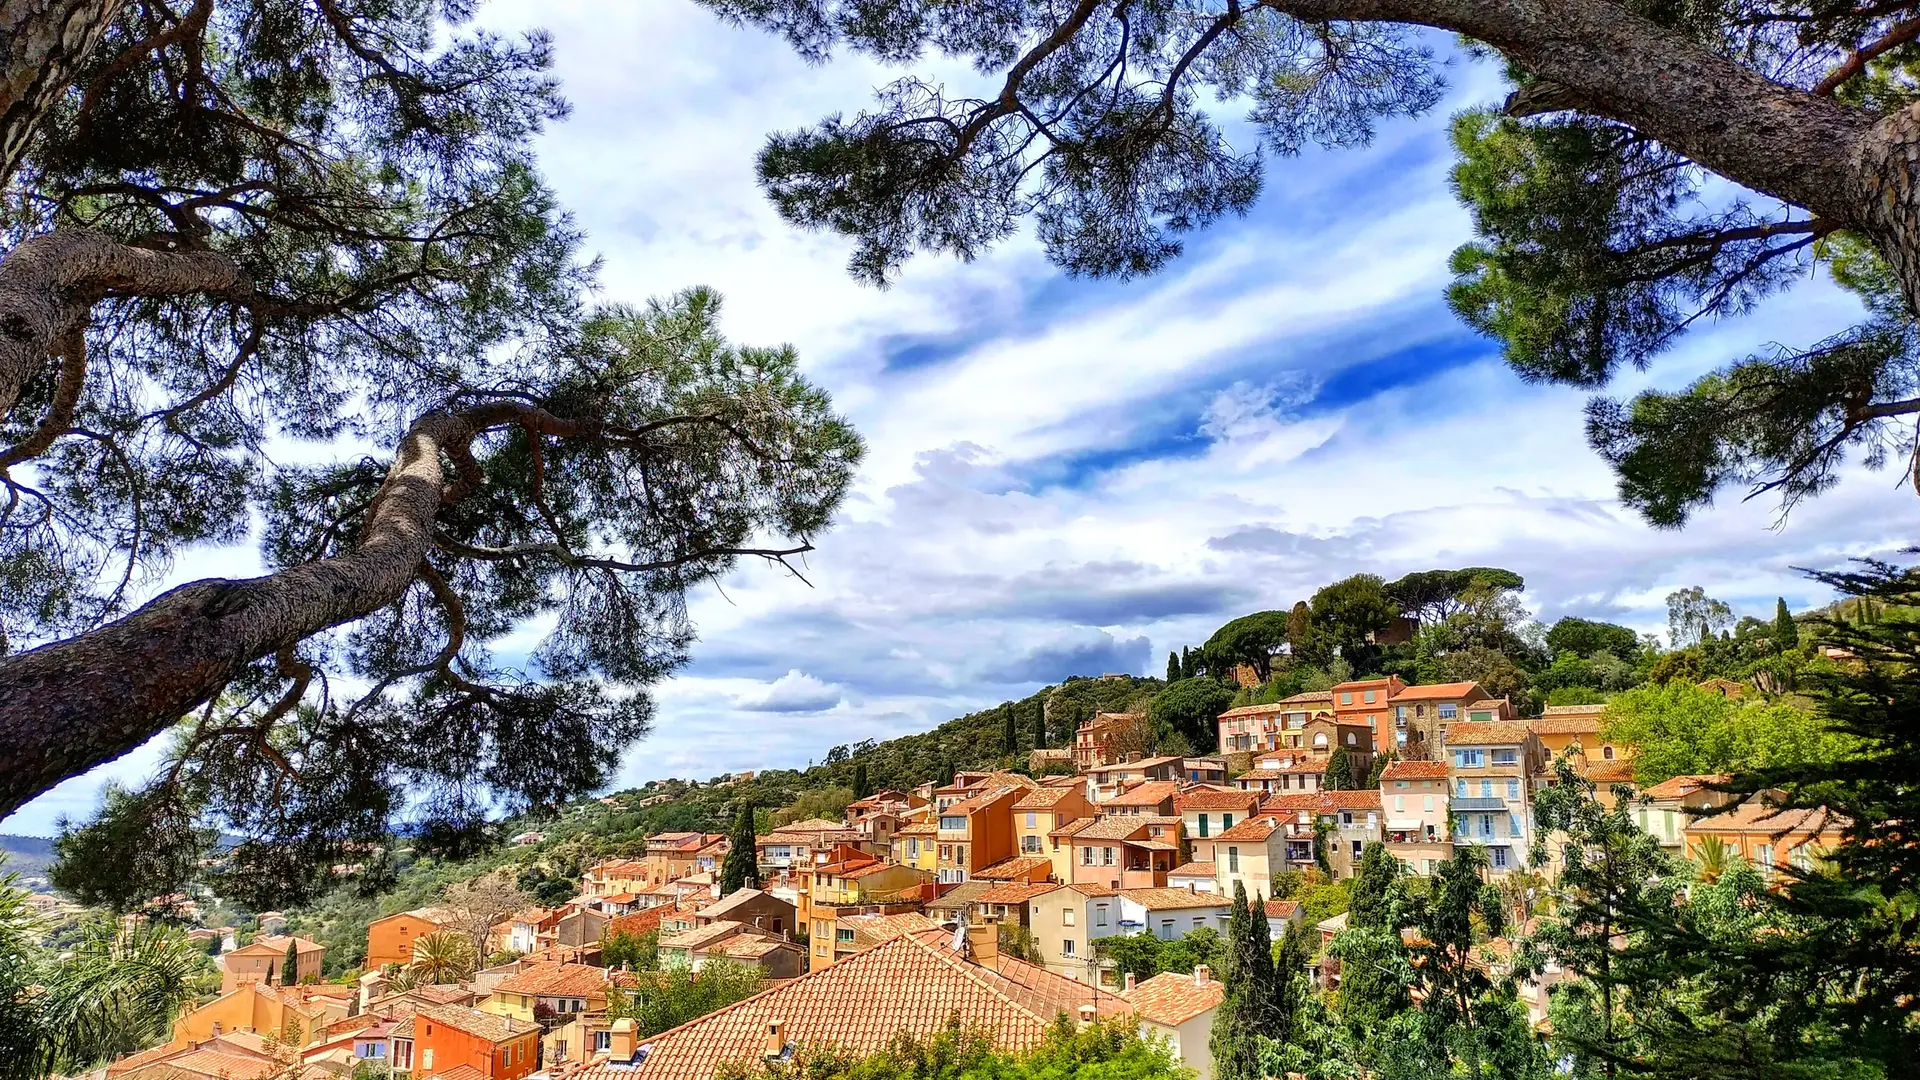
[
  {"x": 623, "y": 1038},
  {"x": 983, "y": 942},
  {"x": 1087, "y": 1015},
  {"x": 776, "y": 1039},
  {"x": 1202, "y": 975},
  {"x": 1129, "y": 982},
  {"x": 216, "y": 1029}
]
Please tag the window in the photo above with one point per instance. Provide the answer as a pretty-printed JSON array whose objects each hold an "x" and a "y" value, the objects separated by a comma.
[
  {"x": 1099, "y": 914},
  {"x": 1030, "y": 844},
  {"x": 1400, "y": 716},
  {"x": 1607, "y": 752},
  {"x": 913, "y": 848},
  {"x": 1226, "y": 822},
  {"x": 946, "y": 851},
  {"x": 1448, "y": 710},
  {"x": 1356, "y": 850},
  {"x": 603, "y": 1040},
  {"x": 1513, "y": 789},
  {"x": 1346, "y": 817},
  {"x": 1373, "y": 820},
  {"x": 1346, "y": 697},
  {"x": 1166, "y": 929},
  {"x": 1066, "y": 917},
  {"x": 1506, "y": 757},
  {"x": 1763, "y": 858},
  {"x": 1106, "y": 856},
  {"x": 1367, "y": 697},
  {"x": 1400, "y": 803},
  {"x": 1514, "y": 828},
  {"x": 1233, "y": 860},
  {"x": 1066, "y": 947},
  {"x": 953, "y": 823},
  {"x": 1428, "y": 807},
  {"x": 1463, "y": 789},
  {"x": 1499, "y": 858},
  {"x": 1480, "y": 716},
  {"x": 1469, "y": 759},
  {"x": 1086, "y": 856},
  {"x": 1486, "y": 825},
  {"x": 1320, "y": 739},
  {"x": 426, "y": 1056},
  {"x": 843, "y": 934},
  {"x": 1199, "y": 921}
]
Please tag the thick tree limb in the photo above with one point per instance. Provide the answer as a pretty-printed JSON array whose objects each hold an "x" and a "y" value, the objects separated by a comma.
[
  {"x": 1857, "y": 61},
  {"x": 49, "y": 284},
  {"x": 66, "y": 398},
  {"x": 74, "y": 704}
]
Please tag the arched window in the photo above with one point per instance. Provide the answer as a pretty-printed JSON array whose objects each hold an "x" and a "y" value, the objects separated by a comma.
[
  {"x": 1607, "y": 752},
  {"x": 1320, "y": 739}
]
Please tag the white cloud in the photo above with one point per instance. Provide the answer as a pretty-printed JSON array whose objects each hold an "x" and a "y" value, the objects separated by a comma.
[{"x": 794, "y": 692}]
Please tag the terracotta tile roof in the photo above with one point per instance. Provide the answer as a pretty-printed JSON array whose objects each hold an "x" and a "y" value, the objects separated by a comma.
[
  {"x": 959, "y": 896},
  {"x": 402, "y": 1028},
  {"x": 1072, "y": 828},
  {"x": 1213, "y": 798},
  {"x": 1041, "y": 798},
  {"x": 1565, "y": 725},
  {"x": 861, "y": 1003},
  {"x": 1174, "y": 899},
  {"x": 1415, "y": 770},
  {"x": 1296, "y": 703},
  {"x": 144, "y": 1057},
  {"x": 648, "y": 919},
  {"x": 1759, "y": 817},
  {"x": 751, "y": 946},
  {"x": 1194, "y": 869},
  {"x": 1364, "y": 799},
  {"x": 489, "y": 1026},
  {"x": 458, "y": 1072},
  {"x": 556, "y": 980},
  {"x": 1322, "y": 802},
  {"x": 1173, "y": 998},
  {"x": 738, "y": 898},
  {"x": 1150, "y": 794},
  {"x": 1019, "y": 867},
  {"x": 1252, "y": 829},
  {"x": 1015, "y": 892},
  {"x": 1488, "y": 733},
  {"x": 1108, "y": 719},
  {"x": 1610, "y": 772},
  {"x": 1121, "y": 826},
  {"x": 701, "y": 936},
  {"x": 811, "y": 825},
  {"x": 973, "y": 804},
  {"x": 1439, "y": 691},
  {"x": 207, "y": 1061},
  {"x": 1679, "y": 787},
  {"x": 1290, "y": 801},
  {"x": 1282, "y": 909},
  {"x": 875, "y": 929},
  {"x": 1490, "y": 703}
]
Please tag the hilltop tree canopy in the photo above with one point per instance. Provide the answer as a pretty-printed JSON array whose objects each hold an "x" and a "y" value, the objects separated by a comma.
[
  {"x": 1434, "y": 596},
  {"x": 1252, "y": 640},
  {"x": 234, "y": 223},
  {"x": 1603, "y": 233}
]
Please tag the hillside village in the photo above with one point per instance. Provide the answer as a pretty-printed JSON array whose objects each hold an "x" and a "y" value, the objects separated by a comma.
[{"x": 1000, "y": 897}]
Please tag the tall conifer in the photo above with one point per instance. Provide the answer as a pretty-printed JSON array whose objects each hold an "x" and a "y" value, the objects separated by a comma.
[{"x": 741, "y": 870}]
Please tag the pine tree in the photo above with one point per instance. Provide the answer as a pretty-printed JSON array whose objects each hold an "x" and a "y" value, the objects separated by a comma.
[
  {"x": 1173, "y": 667},
  {"x": 1372, "y": 895},
  {"x": 1786, "y": 634},
  {"x": 1380, "y": 763},
  {"x": 290, "y": 964},
  {"x": 1009, "y": 734},
  {"x": 1039, "y": 725},
  {"x": 862, "y": 787},
  {"x": 1249, "y": 1010},
  {"x": 741, "y": 870},
  {"x": 1188, "y": 666},
  {"x": 1339, "y": 775}
]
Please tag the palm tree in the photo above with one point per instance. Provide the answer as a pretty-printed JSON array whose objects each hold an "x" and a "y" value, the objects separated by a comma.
[
  {"x": 1712, "y": 858},
  {"x": 442, "y": 957},
  {"x": 120, "y": 992}
]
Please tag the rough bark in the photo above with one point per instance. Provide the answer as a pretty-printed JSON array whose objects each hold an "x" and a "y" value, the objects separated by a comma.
[
  {"x": 71, "y": 705},
  {"x": 42, "y": 45},
  {"x": 49, "y": 284}
]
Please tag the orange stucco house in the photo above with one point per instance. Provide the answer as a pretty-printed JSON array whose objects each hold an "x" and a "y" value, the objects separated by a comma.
[
  {"x": 262, "y": 960},
  {"x": 390, "y": 940},
  {"x": 447, "y": 1037}
]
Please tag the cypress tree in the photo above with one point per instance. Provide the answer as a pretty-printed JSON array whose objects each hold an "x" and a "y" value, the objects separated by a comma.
[
  {"x": 290, "y": 965},
  {"x": 1370, "y": 902},
  {"x": 1786, "y": 635},
  {"x": 1009, "y": 735},
  {"x": 1189, "y": 665},
  {"x": 1173, "y": 667},
  {"x": 862, "y": 787},
  {"x": 1250, "y": 1008},
  {"x": 1039, "y": 725},
  {"x": 1339, "y": 774},
  {"x": 741, "y": 870}
]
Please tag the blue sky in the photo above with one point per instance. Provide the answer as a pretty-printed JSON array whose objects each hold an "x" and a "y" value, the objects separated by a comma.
[{"x": 1077, "y": 477}]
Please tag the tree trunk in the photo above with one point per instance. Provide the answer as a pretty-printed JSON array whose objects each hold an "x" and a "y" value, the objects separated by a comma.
[
  {"x": 42, "y": 45},
  {"x": 75, "y": 704}
]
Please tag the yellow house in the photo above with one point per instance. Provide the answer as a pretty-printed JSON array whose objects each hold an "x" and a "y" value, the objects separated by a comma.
[
  {"x": 1576, "y": 728},
  {"x": 261, "y": 962},
  {"x": 288, "y": 1014},
  {"x": 918, "y": 846},
  {"x": 1038, "y": 813}
]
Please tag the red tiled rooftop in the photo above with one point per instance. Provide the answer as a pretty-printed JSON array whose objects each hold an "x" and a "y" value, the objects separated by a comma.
[
  {"x": 1213, "y": 798},
  {"x": 1438, "y": 691},
  {"x": 1172, "y": 998},
  {"x": 1415, "y": 770}
]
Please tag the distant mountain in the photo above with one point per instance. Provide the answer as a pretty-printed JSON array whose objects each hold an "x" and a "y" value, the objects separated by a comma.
[{"x": 27, "y": 856}]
